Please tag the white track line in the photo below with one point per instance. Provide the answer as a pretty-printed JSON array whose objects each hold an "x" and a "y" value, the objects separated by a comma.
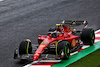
[
  {"x": 97, "y": 31},
  {"x": 85, "y": 46},
  {"x": 38, "y": 66},
  {"x": 97, "y": 35},
  {"x": 97, "y": 40},
  {"x": 28, "y": 65},
  {"x": 50, "y": 60},
  {"x": 74, "y": 53}
]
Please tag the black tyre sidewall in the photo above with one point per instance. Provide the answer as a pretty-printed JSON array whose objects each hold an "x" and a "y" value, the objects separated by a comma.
[
  {"x": 61, "y": 46},
  {"x": 23, "y": 48},
  {"x": 86, "y": 36}
]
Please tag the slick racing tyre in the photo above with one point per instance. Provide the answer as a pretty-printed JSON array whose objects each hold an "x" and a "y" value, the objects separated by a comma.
[
  {"x": 88, "y": 36},
  {"x": 63, "y": 50},
  {"x": 25, "y": 47}
]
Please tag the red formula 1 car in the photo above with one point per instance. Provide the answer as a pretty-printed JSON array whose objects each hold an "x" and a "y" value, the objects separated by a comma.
[{"x": 58, "y": 43}]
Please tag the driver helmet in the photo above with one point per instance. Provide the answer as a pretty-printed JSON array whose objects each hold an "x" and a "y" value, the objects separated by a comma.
[{"x": 53, "y": 32}]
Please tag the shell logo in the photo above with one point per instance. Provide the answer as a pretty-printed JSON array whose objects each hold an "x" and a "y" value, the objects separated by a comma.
[{"x": 73, "y": 43}]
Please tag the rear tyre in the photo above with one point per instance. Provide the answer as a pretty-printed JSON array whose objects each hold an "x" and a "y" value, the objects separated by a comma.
[
  {"x": 88, "y": 36},
  {"x": 63, "y": 50},
  {"x": 25, "y": 47}
]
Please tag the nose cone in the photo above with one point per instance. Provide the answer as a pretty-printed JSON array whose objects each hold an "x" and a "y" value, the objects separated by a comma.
[{"x": 35, "y": 58}]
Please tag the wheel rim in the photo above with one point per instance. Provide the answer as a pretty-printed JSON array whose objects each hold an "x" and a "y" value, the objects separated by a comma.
[
  {"x": 62, "y": 53},
  {"x": 66, "y": 53}
]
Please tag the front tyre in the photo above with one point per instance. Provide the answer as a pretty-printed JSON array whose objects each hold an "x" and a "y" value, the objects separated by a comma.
[{"x": 25, "y": 47}]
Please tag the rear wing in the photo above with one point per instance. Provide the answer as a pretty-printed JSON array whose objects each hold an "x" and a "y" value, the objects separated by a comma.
[{"x": 73, "y": 23}]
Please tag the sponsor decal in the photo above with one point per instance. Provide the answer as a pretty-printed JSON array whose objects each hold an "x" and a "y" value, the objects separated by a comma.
[
  {"x": 42, "y": 45},
  {"x": 73, "y": 43}
]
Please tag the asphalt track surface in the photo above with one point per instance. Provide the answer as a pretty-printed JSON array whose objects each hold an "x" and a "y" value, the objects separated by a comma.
[{"x": 22, "y": 19}]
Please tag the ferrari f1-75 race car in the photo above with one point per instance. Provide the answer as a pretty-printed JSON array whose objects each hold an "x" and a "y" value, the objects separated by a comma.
[{"x": 59, "y": 42}]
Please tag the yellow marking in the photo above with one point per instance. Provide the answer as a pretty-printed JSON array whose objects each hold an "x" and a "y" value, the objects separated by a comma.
[
  {"x": 42, "y": 45},
  {"x": 93, "y": 37},
  {"x": 58, "y": 24},
  {"x": 68, "y": 29},
  {"x": 56, "y": 42},
  {"x": 68, "y": 50}
]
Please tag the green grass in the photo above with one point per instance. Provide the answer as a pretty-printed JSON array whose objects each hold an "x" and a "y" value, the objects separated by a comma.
[{"x": 91, "y": 60}]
